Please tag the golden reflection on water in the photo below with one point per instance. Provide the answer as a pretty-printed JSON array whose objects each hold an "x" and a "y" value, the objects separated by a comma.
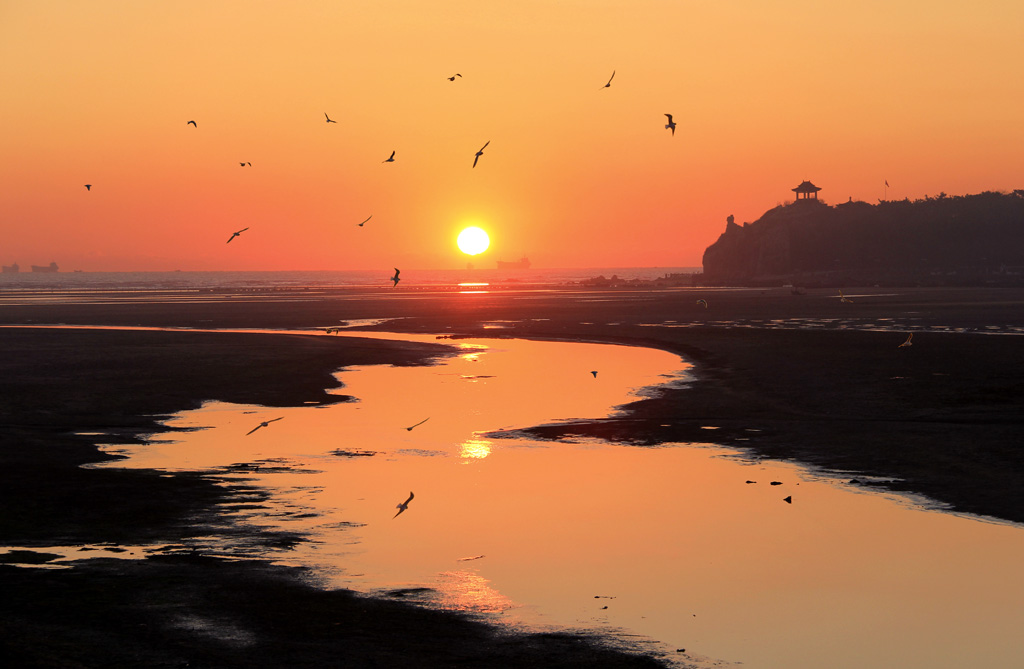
[{"x": 669, "y": 542}]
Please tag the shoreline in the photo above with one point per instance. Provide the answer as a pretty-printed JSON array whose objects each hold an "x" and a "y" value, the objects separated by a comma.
[{"x": 940, "y": 421}]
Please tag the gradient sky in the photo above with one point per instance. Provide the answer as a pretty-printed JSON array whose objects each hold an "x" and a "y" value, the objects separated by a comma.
[{"x": 926, "y": 95}]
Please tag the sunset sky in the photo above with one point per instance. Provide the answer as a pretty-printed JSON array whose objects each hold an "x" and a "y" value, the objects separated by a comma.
[{"x": 926, "y": 95}]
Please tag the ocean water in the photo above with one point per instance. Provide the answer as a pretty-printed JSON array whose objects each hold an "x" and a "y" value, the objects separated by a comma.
[{"x": 99, "y": 281}]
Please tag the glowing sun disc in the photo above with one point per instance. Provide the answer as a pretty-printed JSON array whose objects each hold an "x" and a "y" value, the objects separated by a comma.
[{"x": 473, "y": 241}]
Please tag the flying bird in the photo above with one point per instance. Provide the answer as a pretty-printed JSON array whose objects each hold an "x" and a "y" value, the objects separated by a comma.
[
  {"x": 244, "y": 164},
  {"x": 704, "y": 302},
  {"x": 594, "y": 372},
  {"x": 418, "y": 424},
  {"x": 788, "y": 500},
  {"x": 480, "y": 153},
  {"x": 329, "y": 119},
  {"x": 908, "y": 342},
  {"x": 364, "y": 222},
  {"x": 88, "y": 186},
  {"x": 193, "y": 123},
  {"x": 395, "y": 277},
  {"x": 452, "y": 78},
  {"x": 403, "y": 506},
  {"x": 263, "y": 424},
  {"x": 390, "y": 159},
  {"x": 235, "y": 234},
  {"x": 671, "y": 125},
  {"x": 843, "y": 298},
  {"x": 609, "y": 80}
]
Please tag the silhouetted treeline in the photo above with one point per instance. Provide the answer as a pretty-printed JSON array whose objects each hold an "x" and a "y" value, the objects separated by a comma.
[{"x": 944, "y": 240}]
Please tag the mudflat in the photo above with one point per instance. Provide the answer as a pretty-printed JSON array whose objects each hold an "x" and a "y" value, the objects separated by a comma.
[{"x": 805, "y": 377}]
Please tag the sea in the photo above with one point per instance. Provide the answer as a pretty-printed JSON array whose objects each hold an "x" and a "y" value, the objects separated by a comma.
[{"x": 325, "y": 279}]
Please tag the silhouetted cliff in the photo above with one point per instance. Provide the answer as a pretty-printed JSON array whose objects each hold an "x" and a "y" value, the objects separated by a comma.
[{"x": 970, "y": 239}]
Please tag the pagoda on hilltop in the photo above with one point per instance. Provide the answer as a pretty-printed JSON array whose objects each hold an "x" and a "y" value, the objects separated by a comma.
[{"x": 806, "y": 191}]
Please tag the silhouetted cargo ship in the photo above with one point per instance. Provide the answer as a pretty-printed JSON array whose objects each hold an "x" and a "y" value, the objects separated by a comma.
[
  {"x": 11, "y": 269},
  {"x": 52, "y": 267},
  {"x": 522, "y": 263}
]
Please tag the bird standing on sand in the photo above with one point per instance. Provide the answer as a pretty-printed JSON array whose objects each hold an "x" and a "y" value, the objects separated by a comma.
[
  {"x": 403, "y": 506},
  {"x": 263, "y": 424},
  {"x": 192, "y": 123},
  {"x": 671, "y": 125},
  {"x": 609, "y": 80},
  {"x": 704, "y": 302},
  {"x": 235, "y": 234},
  {"x": 418, "y": 424},
  {"x": 395, "y": 277},
  {"x": 364, "y": 222},
  {"x": 480, "y": 153},
  {"x": 329, "y": 119},
  {"x": 88, "y": 186},
  {"x": 390, "y": 159},
  {"x": 908, "y": 342}
]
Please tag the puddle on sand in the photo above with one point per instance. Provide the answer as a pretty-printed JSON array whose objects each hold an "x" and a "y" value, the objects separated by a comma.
[{"x": 671, "y": 542}]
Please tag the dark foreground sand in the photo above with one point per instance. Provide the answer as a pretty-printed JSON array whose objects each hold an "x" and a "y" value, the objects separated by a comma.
[{"x": 942, "y": 418}]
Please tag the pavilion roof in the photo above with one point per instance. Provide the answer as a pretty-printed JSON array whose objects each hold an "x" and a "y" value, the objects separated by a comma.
[{"x": 806, "y": 187}]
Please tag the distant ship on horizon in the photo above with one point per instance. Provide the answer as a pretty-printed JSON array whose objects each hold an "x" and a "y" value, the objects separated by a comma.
[
  {"x": 52, "y": 267},
  {"x": 11, "y": 269},
  {"x": 522, "y": 263}
]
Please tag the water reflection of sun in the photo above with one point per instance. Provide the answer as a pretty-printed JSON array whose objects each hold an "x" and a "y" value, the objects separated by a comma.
[
  {"x": 468, "y": 591},
  {"x": 477, "y": 449}
]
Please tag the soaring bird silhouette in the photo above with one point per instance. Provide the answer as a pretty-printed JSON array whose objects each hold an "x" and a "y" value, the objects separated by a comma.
[
  {"x": 193, "y": 123},
  {"x": 263, "y": 424},
  {"x": 594, "y": 372},
  {"x": 395, "y": 277},
  {"x": 480, "y": 153},
  {"x": 609, "y": 80},
  {"x": 418, "y": 424},
  {"x": 452, "y": 78},
  {"x": 364, "y": 222},
  {"x": 403, "y": 506},
  {"x": 908, "y": 342},
  {"x": 244, "y": 164},
  {"x": 704, "y": 302},
  {"x": 88, "y": 186},
  {"x": 390, "y": 159},
  {"x": 329, "y": 119},
  {"x": 843, "y": 298},
  {"x": 671, "y": 125},
  {"x": 235, "y": 234}
]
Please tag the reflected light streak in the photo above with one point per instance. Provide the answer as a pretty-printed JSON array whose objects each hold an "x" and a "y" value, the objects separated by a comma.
[
  {"x": 476, "y": 449},
  {"x": 468, "y": 591}
]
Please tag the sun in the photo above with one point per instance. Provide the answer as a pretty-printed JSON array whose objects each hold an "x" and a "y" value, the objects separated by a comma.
[{"x": 473, "y": 241}]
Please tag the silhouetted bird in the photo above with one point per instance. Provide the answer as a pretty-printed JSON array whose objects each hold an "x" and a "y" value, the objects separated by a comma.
[
  {"x": 329, "y": 120},
  {"x": 452, "y": 78},
  {"x": 235, "y": 234},
  {"x": 671, "y": 125},
  {"x": 609, "y": 80},
  {"x": 395, "y": 277},
  {"x": 843, "y": 298},
  {"x": 364, "y": 222},
  {"x": 788, "y": 500},
  {"x": 908, "y": 342},
  {"x": 193, "y": 123},
  {"x": 390, "y": 159},
  {"x": 403, "y": 506},
  {"x": 704, "y": 302},
  {"x": 244, "y": 164},
  {"x": 418, "y": 424},
  {"x": 594, "y": 372},
  {"x": 263, "y": 424},
  {"x": 88, "y": 186},
  {"x": 480, "y": 153}
]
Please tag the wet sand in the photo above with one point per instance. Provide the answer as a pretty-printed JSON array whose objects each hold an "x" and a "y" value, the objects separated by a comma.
[{"x": 939, "y": 418}]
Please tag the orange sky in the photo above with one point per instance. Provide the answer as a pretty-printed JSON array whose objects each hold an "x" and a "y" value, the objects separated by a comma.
[{"x": 926, "y": 95}]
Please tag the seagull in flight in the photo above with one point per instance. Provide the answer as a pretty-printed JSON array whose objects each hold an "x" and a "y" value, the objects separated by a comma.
[
  {"x": 480, "y": 153},
  {"x": 395, "y": 277},
  {"x": 263, "y": 424},
  {"x": 843, "y": 298},
  {"x": 192, "y": 123},
  {"x": 908, "y": 342},
  {"x": 235, "y": 234},
  {"x": 418, "y": 424},
  {"x": 609, "y": 80},
  {"x": 671, "y": 125},
  {"x": 452, "y": 78},
  {"x": 244, "y": 164},
  {"x": 403, "y": 506},
  {"x": 88, "y": 186},
  {"x": 704, "y": 302},
  {"x": 594, "y": 372},
  {"x": 390, "y": 159},
  {"x": 364, "y": 222},
  {"x": 329, "y": 119}
]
